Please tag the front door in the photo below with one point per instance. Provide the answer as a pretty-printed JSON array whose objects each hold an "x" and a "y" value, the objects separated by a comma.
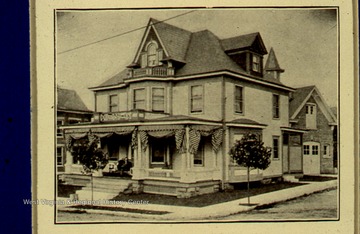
[{"x": 311, "y": 158}]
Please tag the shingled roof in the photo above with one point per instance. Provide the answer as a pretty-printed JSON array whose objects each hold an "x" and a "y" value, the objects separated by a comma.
[
  {"x": 69, "y": 100},
  {"x": 272, "y": 63},
  {"x": 298, "y": 98},
  {"x": 241, "y": 42},
  {"x": 201, "y": 52},
  {"x": 175, "y": 40}
]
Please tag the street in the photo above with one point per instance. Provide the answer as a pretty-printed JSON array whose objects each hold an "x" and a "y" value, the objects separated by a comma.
[
  {"x": 313, "y": 207},
  {"x": 316, "y": 206}
]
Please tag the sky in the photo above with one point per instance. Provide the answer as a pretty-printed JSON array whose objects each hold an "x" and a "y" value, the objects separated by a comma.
[{"x": 92, "y": 46}]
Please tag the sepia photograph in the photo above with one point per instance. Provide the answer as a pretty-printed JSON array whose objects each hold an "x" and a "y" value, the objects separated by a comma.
[{"x": 196, "y": 115}]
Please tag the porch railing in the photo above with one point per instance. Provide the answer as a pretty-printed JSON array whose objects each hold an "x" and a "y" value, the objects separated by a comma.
[{"x": 151, "y": 71}]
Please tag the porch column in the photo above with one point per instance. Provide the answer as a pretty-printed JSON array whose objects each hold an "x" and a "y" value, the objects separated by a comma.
[
  {"x": 185, "y": 159},
  {"x": 69, "y": 161},
  {"x": 226, "y": 144},
  {"x": 138, "y": 169}
]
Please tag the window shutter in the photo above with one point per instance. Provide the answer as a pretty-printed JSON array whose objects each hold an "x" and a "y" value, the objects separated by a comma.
[{"x": 143, "y": 60}]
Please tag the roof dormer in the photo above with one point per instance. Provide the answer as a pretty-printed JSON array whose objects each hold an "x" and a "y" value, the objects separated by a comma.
[{"x": 247, "y": 51}]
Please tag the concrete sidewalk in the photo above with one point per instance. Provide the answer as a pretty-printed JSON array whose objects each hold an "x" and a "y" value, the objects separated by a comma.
[{"x": 182, "y": 213}]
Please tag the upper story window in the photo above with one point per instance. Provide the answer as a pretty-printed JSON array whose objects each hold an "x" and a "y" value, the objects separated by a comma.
[
  {"x": 256, "y": 65},
  {"x": 276, "y": 106},
  {"x": 139, "y": 99},
  {"x": 158, "y": 96},
  {"x": 196, "y": 102},
  {"x": 152, "y": 55},
  {"x": 113, "y": 103},
  {"x": 238, "y": 100},
  {"x": 310, "y": 116}
]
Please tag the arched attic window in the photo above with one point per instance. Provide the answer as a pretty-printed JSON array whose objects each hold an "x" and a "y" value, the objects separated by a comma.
[{"x": 152, "y": 55}]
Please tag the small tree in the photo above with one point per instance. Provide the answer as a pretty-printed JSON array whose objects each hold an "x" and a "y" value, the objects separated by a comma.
[
  {"x": 251, "y": 153},
  {"x": 89, "y": 154}
]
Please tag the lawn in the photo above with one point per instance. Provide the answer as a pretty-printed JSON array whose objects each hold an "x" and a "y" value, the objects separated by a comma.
[{"x": 239, "y": 192}]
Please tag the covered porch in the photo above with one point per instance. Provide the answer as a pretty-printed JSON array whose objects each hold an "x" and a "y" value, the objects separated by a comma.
[{"x": 180, "y": 158}]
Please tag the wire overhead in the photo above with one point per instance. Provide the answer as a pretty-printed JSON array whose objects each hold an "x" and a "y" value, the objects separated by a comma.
[{"x": 121, "y": 34}]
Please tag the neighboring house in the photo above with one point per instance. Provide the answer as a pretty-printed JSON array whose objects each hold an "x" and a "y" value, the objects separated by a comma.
[
  {"x": 70, "y": 110},
  {"x": 309, "y": 110},
  {"x": 176, "y": 110}
]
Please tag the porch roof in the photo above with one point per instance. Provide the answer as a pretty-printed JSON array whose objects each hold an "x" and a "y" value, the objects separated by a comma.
[
  {"x": 293, "y": 130},
  {"x": 245, "y": 123}
]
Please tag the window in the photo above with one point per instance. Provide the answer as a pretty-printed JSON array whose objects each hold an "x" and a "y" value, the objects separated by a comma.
[
  {"x": 113, "y": 103},
  {"x": 315, "y": 150},
  {"x": 152, "y": 55},
  {"x": 275, "y": 147},
  {"x": 310, "y": 116},
  {"x": 158, "y": 152},
  {"x": 59, "y": 132},
  {"x": 158, "y": 99},
  {"x": 276, "y": 107},
  {"x": 59, "y": 155},
  {"x": 239, "y": 105},
  {"x": 306, "y": 149},
  {"x": 256, "y": 63},
  {"x": 139, "y": 99},
  {"x": 199, "y": 155},
  {"x": 196, "y": 98},
  {"x": 326, "y": 151}
]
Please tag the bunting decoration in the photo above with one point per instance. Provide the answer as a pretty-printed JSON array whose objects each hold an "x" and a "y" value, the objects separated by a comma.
[
  {"x": 216, "y": 139},
  {"x": 144, "y": 139},
  {"x": 134, "y": 141},
  {"x": 194, "y": 140},
  {"x": 69, "y": 142},
  {"x": 180, "y": 140}
]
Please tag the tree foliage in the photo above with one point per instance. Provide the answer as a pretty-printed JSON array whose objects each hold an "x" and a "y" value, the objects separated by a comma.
[
  {"x": 87, "y": 151},
  {"x": 250, "y": 152}
]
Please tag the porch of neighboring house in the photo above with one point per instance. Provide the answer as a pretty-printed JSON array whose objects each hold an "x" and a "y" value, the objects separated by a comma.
[{"x": 181, "y": 160}]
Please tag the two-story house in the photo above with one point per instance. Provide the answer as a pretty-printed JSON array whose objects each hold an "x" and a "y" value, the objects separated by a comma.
[
  {"x": 70, "y": 110},
  {"x": 178, "y": 107},
  {"x": 309, "y": 110}
]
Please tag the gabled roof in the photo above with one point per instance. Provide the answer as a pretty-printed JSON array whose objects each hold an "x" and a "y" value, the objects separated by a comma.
[
  {"x": 243, "y": 42},
  {"x": 69, "y": 100},
  {"x": 272, "y": 63},
  {"x": 299, "y": 98},
  {"x": 176, "y": 40},
  {"x": 302, "y": 95},
  {"x": 202, "y": 52}
]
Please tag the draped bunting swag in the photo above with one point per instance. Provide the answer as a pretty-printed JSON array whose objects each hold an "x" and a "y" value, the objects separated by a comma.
[
  {"x": 144, "y": 140},
  {"x": 180, "y": 140},
  {"x": 194, "y": 139},
  {"x": 216, "y": 139},
  {"x": 134, "y": 141},
  {"x": 195, "y": 136}
]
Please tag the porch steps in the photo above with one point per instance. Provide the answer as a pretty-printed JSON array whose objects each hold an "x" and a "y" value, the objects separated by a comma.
[
  {"x": 292, "y": 178},
  {"x": 104, "y": 188}
]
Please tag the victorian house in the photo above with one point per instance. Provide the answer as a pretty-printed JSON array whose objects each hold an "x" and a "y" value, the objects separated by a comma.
[
  {"x": 309, "y": 110},
  {"x": 179, "y": 106},
  {"x": 70, "y": 110}
]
